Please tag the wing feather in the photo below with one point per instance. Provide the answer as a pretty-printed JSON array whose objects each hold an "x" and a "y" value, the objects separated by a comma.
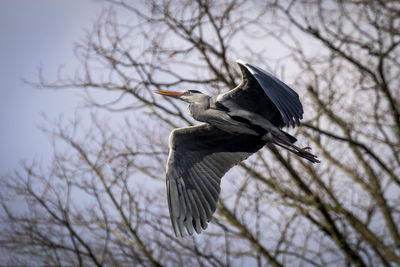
[
  {"x": 205, "y": 196},
  {"x": 279, "y": 93},
  {"x": 210, "y": 185},
  {"x": 282, "y": 105},
  {"x": 199, "y": 156},
  {"x": 199, "y": 202}
]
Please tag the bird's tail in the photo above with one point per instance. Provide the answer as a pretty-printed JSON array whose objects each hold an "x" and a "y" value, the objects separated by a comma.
[{"x": 286, "y": 141}]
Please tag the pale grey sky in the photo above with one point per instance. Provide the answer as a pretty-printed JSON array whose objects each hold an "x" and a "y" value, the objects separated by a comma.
[{"x": 32, "y": 34}]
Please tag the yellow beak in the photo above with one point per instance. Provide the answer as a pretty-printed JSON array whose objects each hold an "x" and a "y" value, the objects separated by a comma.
[{"x": 169, "y": 93}]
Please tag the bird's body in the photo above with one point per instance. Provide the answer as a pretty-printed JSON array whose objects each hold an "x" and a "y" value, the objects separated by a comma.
[
  {"x": 207, "y": 111},
  {"x": 236, "y": 124}
]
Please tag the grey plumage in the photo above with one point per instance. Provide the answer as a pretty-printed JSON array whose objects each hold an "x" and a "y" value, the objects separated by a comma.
[{"x": 237, "y": 124}]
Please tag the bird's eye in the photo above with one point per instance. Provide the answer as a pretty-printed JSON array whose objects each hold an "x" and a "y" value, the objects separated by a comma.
[{"x": 187, "y": 93}]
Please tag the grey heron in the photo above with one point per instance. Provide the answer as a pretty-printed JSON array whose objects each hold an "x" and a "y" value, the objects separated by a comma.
[{"x": 236, "y": 124}]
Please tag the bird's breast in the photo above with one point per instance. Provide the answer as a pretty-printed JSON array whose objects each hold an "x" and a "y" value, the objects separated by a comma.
[{"x": 197, "y": 111}]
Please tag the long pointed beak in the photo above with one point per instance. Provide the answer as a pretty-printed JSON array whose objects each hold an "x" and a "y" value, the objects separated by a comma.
[{"x": 169, "y": 93}]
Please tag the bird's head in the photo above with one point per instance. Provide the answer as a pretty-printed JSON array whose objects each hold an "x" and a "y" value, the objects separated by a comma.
[{"x": 190, "y": 96}]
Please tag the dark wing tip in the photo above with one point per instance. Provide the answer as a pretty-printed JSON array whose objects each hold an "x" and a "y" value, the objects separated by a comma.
[{"x": 283, "y": 97}]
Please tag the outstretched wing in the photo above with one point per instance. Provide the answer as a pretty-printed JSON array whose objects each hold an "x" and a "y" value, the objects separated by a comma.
[
  {"x": 198, "y": 158},
  {"x": 281, "y": 106}
]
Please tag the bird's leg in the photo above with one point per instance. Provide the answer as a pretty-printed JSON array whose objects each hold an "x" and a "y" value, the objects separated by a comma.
[
  {"x": 305, "y": 149},
  {"x": 302, "y": 152}
]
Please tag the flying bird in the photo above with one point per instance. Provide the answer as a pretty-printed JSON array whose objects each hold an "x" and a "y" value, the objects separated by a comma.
[{"x": 236, "y": 124}]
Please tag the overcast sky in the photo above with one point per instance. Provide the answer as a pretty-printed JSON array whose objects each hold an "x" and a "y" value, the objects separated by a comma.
[{"x": 33, "y": 34}]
